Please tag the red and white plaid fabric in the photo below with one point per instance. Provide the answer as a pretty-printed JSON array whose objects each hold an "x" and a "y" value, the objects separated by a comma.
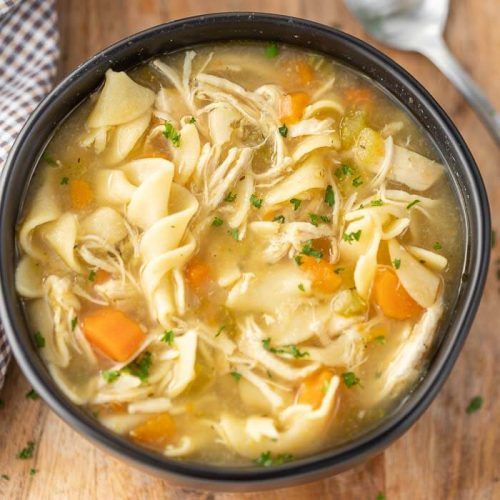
[{"x": 29, "y": 52}]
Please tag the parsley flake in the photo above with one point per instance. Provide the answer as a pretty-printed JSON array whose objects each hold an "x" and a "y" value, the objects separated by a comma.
[
  {"x": 380, "y": 339},
  {"x": 474, "y": 405},
  {"x": 412, "y": 204},
  {"x": 91, "y": 276},
  {"x": 356, "y": 182},
  {"x": 64, "y": 181},
  {"x": 266, "y": 459},
  {"x": 236, "y": 376},
  {"x": 33, "y": 471},
  {"x": 220, "y": 330},
  {"x": 298, "y": 260},
  {"x": 27, "y": 451},
  {"x": 380, "y": 496},
  {"x": 280, "y": 219},
  {"x": 172, "y": 134},
  {"x": 339, "y": 270},
  {"x": 168, "y": 337},
  {"x": 74, "y": 322},
  {"x": 307, "y": 249},
  {"x": 350, "y": 379},
  {"x": 234, "y": 233},
  {"x": 301, "y": 287},
  {"x": 343, "y": 171},
  {"x": 47, "y": 158},
  {"x": 230, "y": 197},
  {"x": 329, "y": 196},
  {"x": 32, "y": 394},
  {"x": 376, "y": 203},
  {"x": 140, "y": 367},
  {"x": 283, "y": 130},
  {"x": 39, "y": 339},
  {"x": 272, "y": 50},
  {"x": 296, "y": 203},
  {"x": 192, "y": 120},
  {"x": 437, "y": 246},
  {"x": 350, "y": 237},
  {"x": 290, "y": 349},
  {"x": 396, "y": 263},
  {"x": 256, "y": 202},
  {"x": 217, "y": 222},
  {"x": 110, "y": 375}
]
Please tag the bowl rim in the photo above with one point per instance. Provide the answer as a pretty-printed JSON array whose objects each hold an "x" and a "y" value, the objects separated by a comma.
[{"x": 338, "y": 458}]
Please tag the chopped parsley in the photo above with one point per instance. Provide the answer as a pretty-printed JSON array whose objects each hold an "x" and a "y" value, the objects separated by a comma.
[
  {"x": 217, "y": 222},
  {"x": 376, "y": 203},
  {"x": 230, "y": 197},
  {"x": 356, "y": 182},
  {"x": 236, "y": 376},
  {"x": 437, "y": 246},
  {"x": 325, "y": 218},
  {"x": 280, "y": 219},
  {"x": 350, "y": 237},
  {"x": 396, "y": 263},
  {"x": 27, "y": 451},
  {"x": 350, "y": 379},
  {"x": 220, "y": 330},
  {"x": 266, "y": 459},
  {"x": 272, "y": 50},
  {"x": 110, "y": 375},
  {"x": 192, "y": 120},
  {"x": 140, "y": 367},
  {"x": 283, "y": 130},
  {"x": 301, "y": 287},
  {"x": 296, "y": 203},
  {"x": 339, "y": 270},
  {"x": 412, "y": 204},
  {"x": 47, "y": 158},
  {"x": 256, "y": 202},
  {"x": 39, "y": 339},
  {"x": 33, "y": 471},
  {"x": 168, "y": 337},
  {"x": 74, "y": 322},
  {"x": 343, "y": 171},
  {"x": 307, "y": 249},
  {"x": 298, "y": 260},
  {"x": 474, "y": 405},
  {"x": 91, "y": 276},
  {"x": 315, "y": 218},
  {"x": 380, "y": 339},
  {"x": 64, "y": 181},
  {"x": 290, "y": 349},
  {"x": 32, "y": 394},
  {"x": 380, "y": 496},
  {"x": 329, "y": 196},
  {"x": 326, "y": 386},
  {"x": 172, "y": 134},
  {"x": 234, "y": 233}
]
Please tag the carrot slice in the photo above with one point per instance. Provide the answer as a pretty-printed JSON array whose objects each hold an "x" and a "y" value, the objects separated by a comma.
[
  {"x": 197, "y": 274},
  {"x": 158, "y": 430},
  {"x": 101, "y": 276},
  {"x": 81, "y": 194},
  {"x": 313, "y": 388},
  {"x": 322, "y": 274},
  {"x": 389, "y": 294},
  {"x": 293, "y": 107},
  {"x": 113, "y": 332}
]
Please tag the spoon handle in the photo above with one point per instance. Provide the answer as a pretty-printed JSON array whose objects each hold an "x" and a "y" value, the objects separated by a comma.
[{"x": 437, "y": 51}]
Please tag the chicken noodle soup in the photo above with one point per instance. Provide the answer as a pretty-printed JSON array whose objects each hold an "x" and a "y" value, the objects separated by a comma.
[{"x": 238, "y": 253}]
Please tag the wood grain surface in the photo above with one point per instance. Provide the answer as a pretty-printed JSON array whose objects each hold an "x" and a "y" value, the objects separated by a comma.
[{"x": 448, "y": 454}]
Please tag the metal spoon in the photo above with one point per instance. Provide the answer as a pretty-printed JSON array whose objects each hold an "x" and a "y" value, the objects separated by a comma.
[{"x": 418, "y": 25}]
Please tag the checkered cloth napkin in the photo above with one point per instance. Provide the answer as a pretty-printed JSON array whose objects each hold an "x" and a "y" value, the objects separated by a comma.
[{"x": 29, "y": 51}]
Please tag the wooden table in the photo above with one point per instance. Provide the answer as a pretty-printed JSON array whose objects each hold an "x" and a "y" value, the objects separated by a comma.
[{"x": 447, "y": 454}]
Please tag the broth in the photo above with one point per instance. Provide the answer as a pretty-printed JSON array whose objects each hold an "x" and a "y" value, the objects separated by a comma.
[{"x": 239, "y": 253}]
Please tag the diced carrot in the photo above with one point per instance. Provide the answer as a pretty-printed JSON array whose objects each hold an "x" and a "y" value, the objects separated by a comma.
[
  {"x": 113, "y": 332},
  {"x": 389, "y": 294},
  {"x": 293, "y": 107},
  {"x": 358, "y": 94},
  {"x": 322, "y": 274},
  {"x": 304, "y": 71},
  {"x": 81, "y": 194},
  {"x": 158, "y": 430},
  {"x": 313, "y": 388},
  {"x": 197, "y": 274},
  {"x": 101, "y": 276},
  {"x": 113, "y": 407}
]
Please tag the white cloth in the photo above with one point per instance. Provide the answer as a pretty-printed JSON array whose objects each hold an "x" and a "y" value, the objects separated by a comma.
[{"x": 29, "y": 53}]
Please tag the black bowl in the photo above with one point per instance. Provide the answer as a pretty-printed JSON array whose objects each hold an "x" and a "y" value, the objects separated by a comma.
[{"x": 131, "y": 51}]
